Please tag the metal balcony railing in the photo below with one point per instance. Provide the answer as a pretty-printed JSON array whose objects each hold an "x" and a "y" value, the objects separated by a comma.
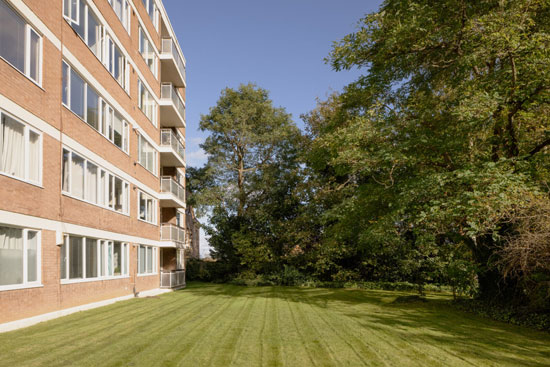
[
  {"x": 169, "y": 185},
  {"x": 169, "y": 139},
  {"x": 169, "y": 48},
  {"x": 170, "y": 232},
  {"x": 173, "y": 279},
  {"x": 167, "y": 91}
]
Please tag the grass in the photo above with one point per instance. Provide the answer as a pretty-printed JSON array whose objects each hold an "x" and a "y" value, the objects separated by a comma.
[{"x": 223, "y": 325}]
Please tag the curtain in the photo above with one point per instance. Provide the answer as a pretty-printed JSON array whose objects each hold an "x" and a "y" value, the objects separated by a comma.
[
  {"x": 91, "y": 180},
  {"x": 34, "y": 156},
  {"x": 65, "y": 173},
  {"x": 11, "y": 256},
  {"x": 13, "y": 147},
  {"x": 77, "y": 179},
  {"x": 32, "y": 256}
]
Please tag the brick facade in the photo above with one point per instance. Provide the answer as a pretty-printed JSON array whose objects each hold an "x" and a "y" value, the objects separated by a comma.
[{"x": 44, "y": 207}]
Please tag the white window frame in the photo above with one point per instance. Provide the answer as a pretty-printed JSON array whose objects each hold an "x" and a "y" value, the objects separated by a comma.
[
  {"x": 27, "y": 129},
  {"x": 105, "y": 190},
  {"x": 27, "y": 52},
  {"x": 150, "y": 49},
  {"x": 67, "y": 11},
  {"x": 26, "y": 283},
  {"x": 154, "y": 211},
  {"x": 126, "y": 14},
  {"x": 155, "y": 157},
  {"x": 143, "y": 104},
  {"x": 109, "y": 247},
  {"x": 154, "y": 269},
  {"x": 104, "y": 109}
]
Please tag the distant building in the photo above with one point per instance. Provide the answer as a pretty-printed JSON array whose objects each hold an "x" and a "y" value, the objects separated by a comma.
[{"x": 92, "y": 157}]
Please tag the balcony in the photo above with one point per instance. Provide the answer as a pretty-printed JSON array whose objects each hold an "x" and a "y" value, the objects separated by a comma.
[
  {"x": 172, "y": 151},
  {"x": 172, "y": 236},
  {"x": 172, "y": 279},
  {"x": 172, "y": 194},
  {"x": 172, "y": 108},
  {"x": 172, "y": 64}
]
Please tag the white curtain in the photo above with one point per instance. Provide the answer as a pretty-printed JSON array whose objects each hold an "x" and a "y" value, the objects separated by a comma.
[
  {"x": 34, "y": 156},
  {"x": 32, "y": 256},
  {"x": 11, "y": 256},
  {"x": 65, "y": 178},
  {"x": 77, "y": 176},
  {"x": 91, "y": 180},
  {"x": 13, "y": 147}
]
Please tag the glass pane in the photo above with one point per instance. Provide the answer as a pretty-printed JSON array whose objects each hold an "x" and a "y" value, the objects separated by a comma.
[
  {"x": 91, "y": 258},
  {"x": 117, "y": 258},
  {"x": 94, "y": 34},
  {"x": 117, "y": 130},
  {"x": 102, "y": 257},
  {"x": 63, "y": 261},
  {"x": 32, "y": 256},
  {"x": 12, "y": 37},
  {"x": 92, "y": 109},
  {"x": 65, "y": 170},
  {"x": 110, "y": 259},
  {"x": 12, "y": 147},
  {"x": 111, "y": 192},
  {"x": 91, "y": 182},
  {"x": 77, "y": 94},
  {"x": 79, "y": 26},
  {"x": 11, "y": 255},
  {"x": 34, "y": 72},
  {"x": 101, "y": 191},
  {"x": 75, "y": 257},
  {"x": 65, "y": 86},
  {"x": 34, "y": 156},
  {"x": 118, "y": 194},
  {"x": 77, "y": 176},
  {"x": 142, "y": 206},
  {"x": 149, "y": 259},
  {"x": 125, "y": 262},
  {"x": 142, "y": 259}
]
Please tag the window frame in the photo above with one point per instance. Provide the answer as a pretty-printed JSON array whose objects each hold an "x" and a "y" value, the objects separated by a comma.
[
  {"x": 154, "y": 211},
  {"x": 155, "y": 255},
  {"x": 27, "y": 50},
  {"x": 102, "y": 202},
  {"x": 26, "y": 137},
  {"x": 142, "y": 104},
  {"x": 69, "y": 16},
  {"x": 104, "y": 109},
  {"x": 151, "y": 48},
  {"x": 154, "y": 170},
  {"x": 26, "y": 283},
  {"x": 104, "y": 266}
]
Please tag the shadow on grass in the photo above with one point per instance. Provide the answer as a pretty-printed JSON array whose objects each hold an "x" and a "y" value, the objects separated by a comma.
[{"x": 430, "y": 322}]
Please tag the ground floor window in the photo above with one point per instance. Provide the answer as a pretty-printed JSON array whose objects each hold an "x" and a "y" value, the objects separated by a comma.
[
  {"x": 147, "y": 260},
  {"x": 19, "y": 257},
  {"x": 90, "y": 258}
]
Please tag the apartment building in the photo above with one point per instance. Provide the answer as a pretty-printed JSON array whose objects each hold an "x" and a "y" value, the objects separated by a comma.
[{"x": 92, "y": 157}]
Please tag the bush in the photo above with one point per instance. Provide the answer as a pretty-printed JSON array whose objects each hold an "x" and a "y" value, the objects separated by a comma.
[{"x": 516, "y": 315}]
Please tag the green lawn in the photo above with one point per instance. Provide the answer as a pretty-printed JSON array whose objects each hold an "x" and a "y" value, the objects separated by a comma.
[{"x": 221, "y": 325}]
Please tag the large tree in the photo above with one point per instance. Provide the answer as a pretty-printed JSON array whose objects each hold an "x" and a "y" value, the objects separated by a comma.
[
  {"x": 250, "y": 180},
  {"x": 445, "y": 137}
]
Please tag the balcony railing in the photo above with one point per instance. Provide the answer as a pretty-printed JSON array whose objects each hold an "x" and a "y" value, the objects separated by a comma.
[
  {"x": 168, "y": 185},
  {"x": 173, "y": 279},
  {"x": 169, "y": 139},
  {"x": 167, "y": 91},
  {"x": 169, "y": 48},
  {"x": 170, "y": 232}
]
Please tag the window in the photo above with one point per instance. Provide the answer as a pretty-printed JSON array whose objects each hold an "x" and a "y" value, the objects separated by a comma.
[
  {"x": 116, "y": 63},
  {"x": 147, "y": 155},
  {"x": 90, "y": 258},
  {"x": 19, "y": 257},
  {"x": 85, "y": 180},
  {"x": 20, "y": 150},
  {"x": 20, "y": 44},
  {"x": 71, "y": 10},
  {"x": 87, "y": 26},
  {"x": 146, "y": 103},
  {"x": 147, "y": 208},
  {"x": 151, "y": 9},
  {"x": 147, "y": 260},
  {"x": 122, "y": 11},
  {"x": 147, "y": 50},
  {"x": 86, "y": 103}
]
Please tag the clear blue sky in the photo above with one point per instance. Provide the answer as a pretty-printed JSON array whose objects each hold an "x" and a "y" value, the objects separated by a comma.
[{"x": 278, "y": 44}]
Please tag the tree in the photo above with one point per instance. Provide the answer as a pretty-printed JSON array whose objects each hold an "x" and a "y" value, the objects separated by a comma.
[
  {"x": 448, "y": 131},
  {"x": 249, "y": 182}
]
